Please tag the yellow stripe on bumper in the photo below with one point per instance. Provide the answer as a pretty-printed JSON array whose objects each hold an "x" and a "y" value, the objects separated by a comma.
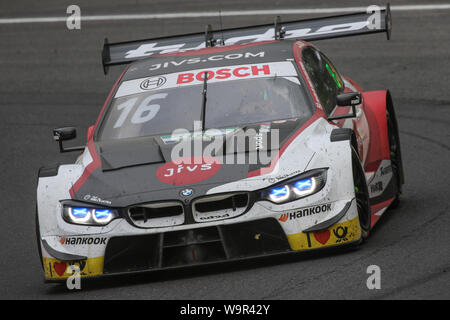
[
  {"x": 56, "y": 269},
  {"x": 337, "y": 234}
]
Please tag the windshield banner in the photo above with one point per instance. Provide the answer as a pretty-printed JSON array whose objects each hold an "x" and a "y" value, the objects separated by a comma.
[{"x": 195, "y": 77}]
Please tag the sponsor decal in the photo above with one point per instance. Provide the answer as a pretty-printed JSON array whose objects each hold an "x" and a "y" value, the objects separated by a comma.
[
  {"x": 56, "y": 269},
  {"x": 305, "y": 212},
  {"x": 218, "y": 57},
  {"x": 215, "y": 217},
  {"x": 82, "y": 241},
  {"x": 322, "y": 236},
  {"x": 259, "y": 141},
  {"x": 216, "y": 74},
  {"x": 376, "y": 187},
  {"x": 385, "y": 170},
  {"x": 88, "y": 197},
  {"x": 285, "y": 176},
  {"x": 153, "y": 83},
  {"x": 60, "y": 267},
  {"x": 341, "y": 233},
  {"x": 224, "y": 73},
  {"x": 355, "y": 101},
  {"x": 335, "y": 235},
  {"x": 148, "y": 49},
  {"x": 188, "y": 170}
]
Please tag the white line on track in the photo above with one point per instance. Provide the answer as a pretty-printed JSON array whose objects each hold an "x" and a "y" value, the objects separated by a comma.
[{"x": 180, "y": 15}]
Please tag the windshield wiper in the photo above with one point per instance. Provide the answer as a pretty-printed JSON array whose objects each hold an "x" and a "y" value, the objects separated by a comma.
[{"x": 203, "y": 116}]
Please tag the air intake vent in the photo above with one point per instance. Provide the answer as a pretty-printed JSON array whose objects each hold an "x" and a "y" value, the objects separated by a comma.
[
  {"x": 161, "y": 214},
  {"x": 228, "y": 202},
  {"x": 220, "y": 206}
]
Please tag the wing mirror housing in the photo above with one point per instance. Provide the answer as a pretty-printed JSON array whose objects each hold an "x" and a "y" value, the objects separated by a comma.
[
  {"x": 347, "y": 99},
  {"x": 63, "y": 134}
]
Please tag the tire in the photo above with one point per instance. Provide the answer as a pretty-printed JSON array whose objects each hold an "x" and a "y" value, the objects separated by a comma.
[
  {"x": 395, "y": 155},
  {"x": 38, "y": 239},
  {"x": 361, "y": 195}
]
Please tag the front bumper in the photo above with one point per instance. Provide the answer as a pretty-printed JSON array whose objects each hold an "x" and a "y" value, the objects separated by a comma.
[{"x": 205, "y": 245}]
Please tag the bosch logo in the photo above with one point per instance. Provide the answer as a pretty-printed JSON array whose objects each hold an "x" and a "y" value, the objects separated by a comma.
[{"x": 153, "y": 83}]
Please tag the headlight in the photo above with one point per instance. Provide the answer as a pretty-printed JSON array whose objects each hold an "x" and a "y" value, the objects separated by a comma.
[
  {"x": 298, "y": 187},
  {"x": 88, "y": 215}
]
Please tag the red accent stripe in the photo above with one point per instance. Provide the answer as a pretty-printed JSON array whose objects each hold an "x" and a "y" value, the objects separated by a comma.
[
  {"x": 376, "y": 208},
  {"x": 373, "y": 166},
  {"x": 375, "y": 110},
  {"x": 91, "y": 167}
]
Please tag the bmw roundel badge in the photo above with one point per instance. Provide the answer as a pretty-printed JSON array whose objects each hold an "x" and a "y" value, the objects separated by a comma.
[{"x": 187, "y": 192}]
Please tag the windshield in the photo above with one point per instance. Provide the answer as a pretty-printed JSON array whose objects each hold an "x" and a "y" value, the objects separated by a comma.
[{"x": 229, "y": 103}]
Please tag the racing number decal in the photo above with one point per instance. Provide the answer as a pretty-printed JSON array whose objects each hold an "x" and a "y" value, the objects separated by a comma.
[{"x": 144, "y": 112}]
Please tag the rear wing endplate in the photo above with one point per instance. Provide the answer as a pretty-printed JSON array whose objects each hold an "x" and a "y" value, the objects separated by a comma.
[{"x": 374, "y": 20}]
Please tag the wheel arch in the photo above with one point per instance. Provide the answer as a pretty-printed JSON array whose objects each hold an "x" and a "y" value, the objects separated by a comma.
[
  {"x": 375, "y": 105},
  {"x": 391, "y": 110}
]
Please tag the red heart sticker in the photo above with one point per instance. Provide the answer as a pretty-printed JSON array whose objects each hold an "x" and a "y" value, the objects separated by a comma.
[
  {"x": 322, "y": 236},
  {"x": 60, "y": 267}
]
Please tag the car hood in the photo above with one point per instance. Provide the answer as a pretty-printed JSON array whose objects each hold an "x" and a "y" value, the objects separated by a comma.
[{"x": 142, "y": 169}]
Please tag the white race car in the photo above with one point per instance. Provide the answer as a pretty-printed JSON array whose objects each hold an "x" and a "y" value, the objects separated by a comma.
[{"x": 255, "y": 147}]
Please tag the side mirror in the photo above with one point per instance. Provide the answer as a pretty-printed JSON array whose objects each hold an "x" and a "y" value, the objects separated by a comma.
[
  {"x": 347, "y": 99},
  {"x": 67, "y": 133}
]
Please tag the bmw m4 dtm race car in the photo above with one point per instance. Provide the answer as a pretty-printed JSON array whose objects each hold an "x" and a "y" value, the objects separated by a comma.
[{"x": 222, "y": 146}]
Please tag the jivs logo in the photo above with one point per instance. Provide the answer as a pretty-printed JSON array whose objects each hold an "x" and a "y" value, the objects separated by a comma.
[{"x": 188, "y": 170}]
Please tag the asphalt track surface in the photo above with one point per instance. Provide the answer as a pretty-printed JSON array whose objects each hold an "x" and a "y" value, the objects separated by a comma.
[{"x": 52, "y": 77}]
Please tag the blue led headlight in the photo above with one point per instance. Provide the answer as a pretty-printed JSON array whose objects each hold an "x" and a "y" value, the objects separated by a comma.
[
  {"x": 79, "y": 214},
  {"x": 279, "y": 194},
  {"x": 304, "y": 187},
  {"x": 295, "y": 188},
  {"x": 102, "y": 215},
  {"x": 87, "y": 215}
]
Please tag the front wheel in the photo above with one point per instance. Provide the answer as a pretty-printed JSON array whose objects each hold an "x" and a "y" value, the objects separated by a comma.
[
  {"x": 361, "y": 195},
  {"x": 395, "y": 155}
]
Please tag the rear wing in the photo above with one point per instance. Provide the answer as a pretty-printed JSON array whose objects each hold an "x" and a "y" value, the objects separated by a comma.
[{"x": 374, "y": 20}]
